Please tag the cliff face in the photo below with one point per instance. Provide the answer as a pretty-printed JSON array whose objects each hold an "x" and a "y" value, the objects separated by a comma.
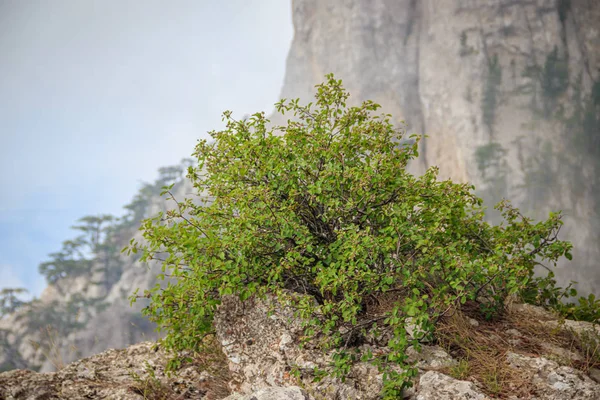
[
  {"x": 257, "y": 350},
  {"x": 507, "y": 91}
]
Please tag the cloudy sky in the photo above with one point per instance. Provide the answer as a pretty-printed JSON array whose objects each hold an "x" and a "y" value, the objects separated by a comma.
[{"x": 96, "y": 95}]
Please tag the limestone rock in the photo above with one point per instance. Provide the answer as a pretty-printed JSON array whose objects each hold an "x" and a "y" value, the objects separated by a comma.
[
  {"x": 262, "y": 350},
  {"x": 580, "y": 328},
  {"x": 554, "y": 382},
  {"x": 260, "y": 339},
  {"x": 274, "y": 393},
  {"x": 437, "y": 386},
  {"x": 430, "y": 357},
  {"x": 109, "y": 375},
  {"x": 595, "y": 374}
]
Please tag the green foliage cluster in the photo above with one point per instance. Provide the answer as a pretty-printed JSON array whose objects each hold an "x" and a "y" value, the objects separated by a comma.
[
  {"x": 96, "y": 248},
  {"x": 586, "y": 309},
  {"x": 10, "y": 301},
  {"x": 544, "y": 291},
  {"x": 325, "y": 207}
]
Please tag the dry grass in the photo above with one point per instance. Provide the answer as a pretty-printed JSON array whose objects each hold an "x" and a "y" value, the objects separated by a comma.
[
  {"x": 151, "y": 387},
  {"x": 586, "y": 345},
  {"x": 481, "y": 350},
  {"x": 50, "y": 346},
  {"x": 212, "y": 361},
  {"x": 481, "y": 354}
]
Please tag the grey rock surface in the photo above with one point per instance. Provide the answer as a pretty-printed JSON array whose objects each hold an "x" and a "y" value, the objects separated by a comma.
[
  {"x": 437, "y": 386},
  {"x": 263, "y": 348},
  {"x": 131, "y": 374},
  {"x": 260, "y": 341},
  {"x": 553, "y": 381},
  {"x": 274, "y": 393}
]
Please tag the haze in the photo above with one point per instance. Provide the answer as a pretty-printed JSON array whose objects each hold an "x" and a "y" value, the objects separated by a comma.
[{"x": 96, "y": 95}]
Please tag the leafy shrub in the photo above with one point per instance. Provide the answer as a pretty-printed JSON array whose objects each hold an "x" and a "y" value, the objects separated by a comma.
[
  {"x": 586, "y": 309},
  {"x": 325, "y": 207},
  {"x": 543, "y": 291}
]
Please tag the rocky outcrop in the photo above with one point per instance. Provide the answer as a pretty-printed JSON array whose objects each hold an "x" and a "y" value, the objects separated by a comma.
[
  {"x": 263, "y": 350},
  {"x": 275, "y": 393},
  {"x": 552, "y": 381},
  {"x": 262, "y": 360},
  {"x": 135, "y": 373},
  {"x": 507, "y": 91},
  {"x": 260, "y": 339},
  {"x": 436, "y": 386}
]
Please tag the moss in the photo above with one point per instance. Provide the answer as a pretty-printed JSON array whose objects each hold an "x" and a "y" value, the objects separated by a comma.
[
  {"x": 554, "y": 79},
  {"x": 494, "y": 169},
  {"x": 465, "y": 49},
  {"x": 489, "y": 102},
  {"x": 563, "y": 7}
]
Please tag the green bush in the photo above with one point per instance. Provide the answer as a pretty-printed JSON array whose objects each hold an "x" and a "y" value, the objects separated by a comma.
[
  {"x": 324, "y": 206},
  {"x": 586, "y": 309}
]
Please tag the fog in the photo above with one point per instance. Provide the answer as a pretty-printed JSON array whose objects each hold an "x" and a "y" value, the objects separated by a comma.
[{"x": 95, "y": 95}]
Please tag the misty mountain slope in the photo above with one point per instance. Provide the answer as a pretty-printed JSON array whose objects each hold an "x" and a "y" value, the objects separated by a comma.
[
  {"x": 82, "y": 314},
  {"x": 508, "y": 93}
]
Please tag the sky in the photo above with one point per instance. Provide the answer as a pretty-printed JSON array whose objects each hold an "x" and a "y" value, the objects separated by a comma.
[{"x": 96, "y": 95}]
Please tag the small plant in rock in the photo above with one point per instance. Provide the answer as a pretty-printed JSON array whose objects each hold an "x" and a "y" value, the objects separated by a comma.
[
  {"x": 588, "y": 344},
  {"x": 461, "y": 370},
  {"x": 325, "y": 207},
  {"x": 150, "y": 387},
  {"x": 50, "y": 346}
]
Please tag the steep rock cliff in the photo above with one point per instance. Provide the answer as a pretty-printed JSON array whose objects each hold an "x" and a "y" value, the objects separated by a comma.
[{"x": 507, "y": 91}]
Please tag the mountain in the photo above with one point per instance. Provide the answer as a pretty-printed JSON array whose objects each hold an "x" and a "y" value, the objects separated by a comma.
[
  {"x": 508, "y": 93},
  {"x": 85, "y": 308}
]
